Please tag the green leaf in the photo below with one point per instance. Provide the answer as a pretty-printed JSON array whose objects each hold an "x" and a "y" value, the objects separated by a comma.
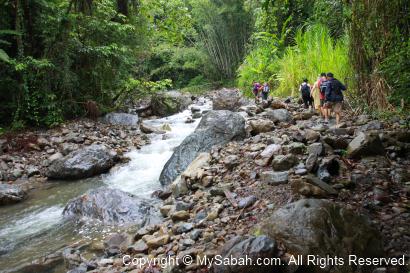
[{"x": 3, "y": 56}]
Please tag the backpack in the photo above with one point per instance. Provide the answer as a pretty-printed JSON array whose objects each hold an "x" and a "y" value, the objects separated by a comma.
[
  {"x": 323, "y": 87},
  {"x": 305, "y": 90},
  {"x": 265, "y": 89}
]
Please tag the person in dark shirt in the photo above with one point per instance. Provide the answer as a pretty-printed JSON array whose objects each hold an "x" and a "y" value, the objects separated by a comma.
[{"x": 334, "y": 96}]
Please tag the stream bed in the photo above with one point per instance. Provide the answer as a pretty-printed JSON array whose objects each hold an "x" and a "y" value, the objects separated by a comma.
[{"x": 36, "y": 227}]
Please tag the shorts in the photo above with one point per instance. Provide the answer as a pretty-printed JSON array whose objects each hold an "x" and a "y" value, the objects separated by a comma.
[
  {"x": 335, "y": 106},
  {"x": 255, "y": 92}
]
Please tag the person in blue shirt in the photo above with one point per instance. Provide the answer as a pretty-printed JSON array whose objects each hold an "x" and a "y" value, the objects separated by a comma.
[{"x": 334, "y": 96}]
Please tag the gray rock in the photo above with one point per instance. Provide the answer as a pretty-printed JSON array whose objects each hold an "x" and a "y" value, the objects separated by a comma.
[
  {"x": 322, "y": 185},
  {"x": 231, "y": 161},
  {"x": 168, "y": 103},
  {"x": 196, "y": 115},
  {"x": 365, "y": 144},
  {"x": 252, "y": 247},
  {"x": 284, "y": 162},
  {"x": 55, "y": 157},
  {"x": 121, "y": 119},
  {"x": 10, "y": 194},
  {"x": 320, "y": 227},
  {"x": 274, "y": 178},
  {"x": 227, "y": 99},
  {"x": 372, "y": 125},
  {"x": 311, "y": 162},
  {"x": 215, "y": 128},
  {"x": 110, "y": 206},
  {"x": 316, "y": 148},
  {"x": 147, "y": 129},
  {"x": 278, "y": 115},
  {"x": 89, "y": 161},
  {"x": 296, "y": 148},
  {"x": 261, "y": 126},
  {"x": 32, "y": 170},
  {"x": 328, "y": 167},
  {"x": 264, "y": 158},
  {"x": 247, "y": 201}
]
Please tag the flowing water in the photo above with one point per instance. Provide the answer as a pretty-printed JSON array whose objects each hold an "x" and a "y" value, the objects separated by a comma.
[{"x": 35, "y": 227}]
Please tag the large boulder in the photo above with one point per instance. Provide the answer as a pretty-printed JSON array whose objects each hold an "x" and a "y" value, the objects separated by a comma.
[
  {"x": 227, "y": 99},
  {"x": 215, "y": 128},
  {"x": 255, "y": 248},
  {"x": 121, "y": 119},
  {"x": 86, "y": 162},
  {"x": 110, "y": 206},
  {"x": 321, "y": 227},
  {"x": 10, "y": 194},
  {"x": 365, "y": 144},
  {"x": 168, "y": 103}
]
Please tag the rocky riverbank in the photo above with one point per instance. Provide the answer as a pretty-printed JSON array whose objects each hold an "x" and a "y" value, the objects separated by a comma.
[
  {"x": 78, "y": 149},
  {"x": 293, "y": 186}
]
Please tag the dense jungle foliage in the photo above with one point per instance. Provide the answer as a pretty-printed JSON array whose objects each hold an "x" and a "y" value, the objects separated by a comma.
[{"x": 57, "y": 55}]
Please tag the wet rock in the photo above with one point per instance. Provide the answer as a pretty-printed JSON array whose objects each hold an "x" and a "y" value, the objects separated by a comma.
[
  {"x": 261, "y": 126},
  {"x": 215, "y": 128},
  {"x": 274, "y": 178},
  {"x": 264, "y": 158},
  {"x": 283, "y": 162},
  {"x": 168, "y": 103},
  {"x": 247, "y": 201},
  {"x": 196, "y": 115},
  {"x": 260, "y": 247},
  {"x": 227, "y": 99},
  {"x": 121, "y": 119},
  {"x": 32, "y": 170},
  {"x": 147, "y": 129},
  {"x": 10, "y": 194},
  {"x": 89, "y": 161},
  {"x": 365, "y": 144},
  {"x": 321, "y": 227},
  {"x": 110, "y": 206}
]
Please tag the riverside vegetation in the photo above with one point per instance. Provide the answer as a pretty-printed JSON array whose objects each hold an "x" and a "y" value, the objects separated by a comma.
[{"x": 84, "y": 86}]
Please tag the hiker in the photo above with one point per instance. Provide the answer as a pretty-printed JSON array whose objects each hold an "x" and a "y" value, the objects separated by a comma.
[
  {"x": 256, "y": 87},
  {"x": 318, "y": 94},
  {"x": 305, "y": 91},
  {"x": 265, "y": 91},
  {"x": 334, "y": 97}
]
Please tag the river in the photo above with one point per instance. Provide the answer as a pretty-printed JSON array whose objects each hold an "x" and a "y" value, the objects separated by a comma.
[{"x": 35, "y": 227}]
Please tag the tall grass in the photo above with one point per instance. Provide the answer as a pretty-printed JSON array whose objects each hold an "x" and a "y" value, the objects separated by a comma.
[{"x": 314, "y": 52}]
